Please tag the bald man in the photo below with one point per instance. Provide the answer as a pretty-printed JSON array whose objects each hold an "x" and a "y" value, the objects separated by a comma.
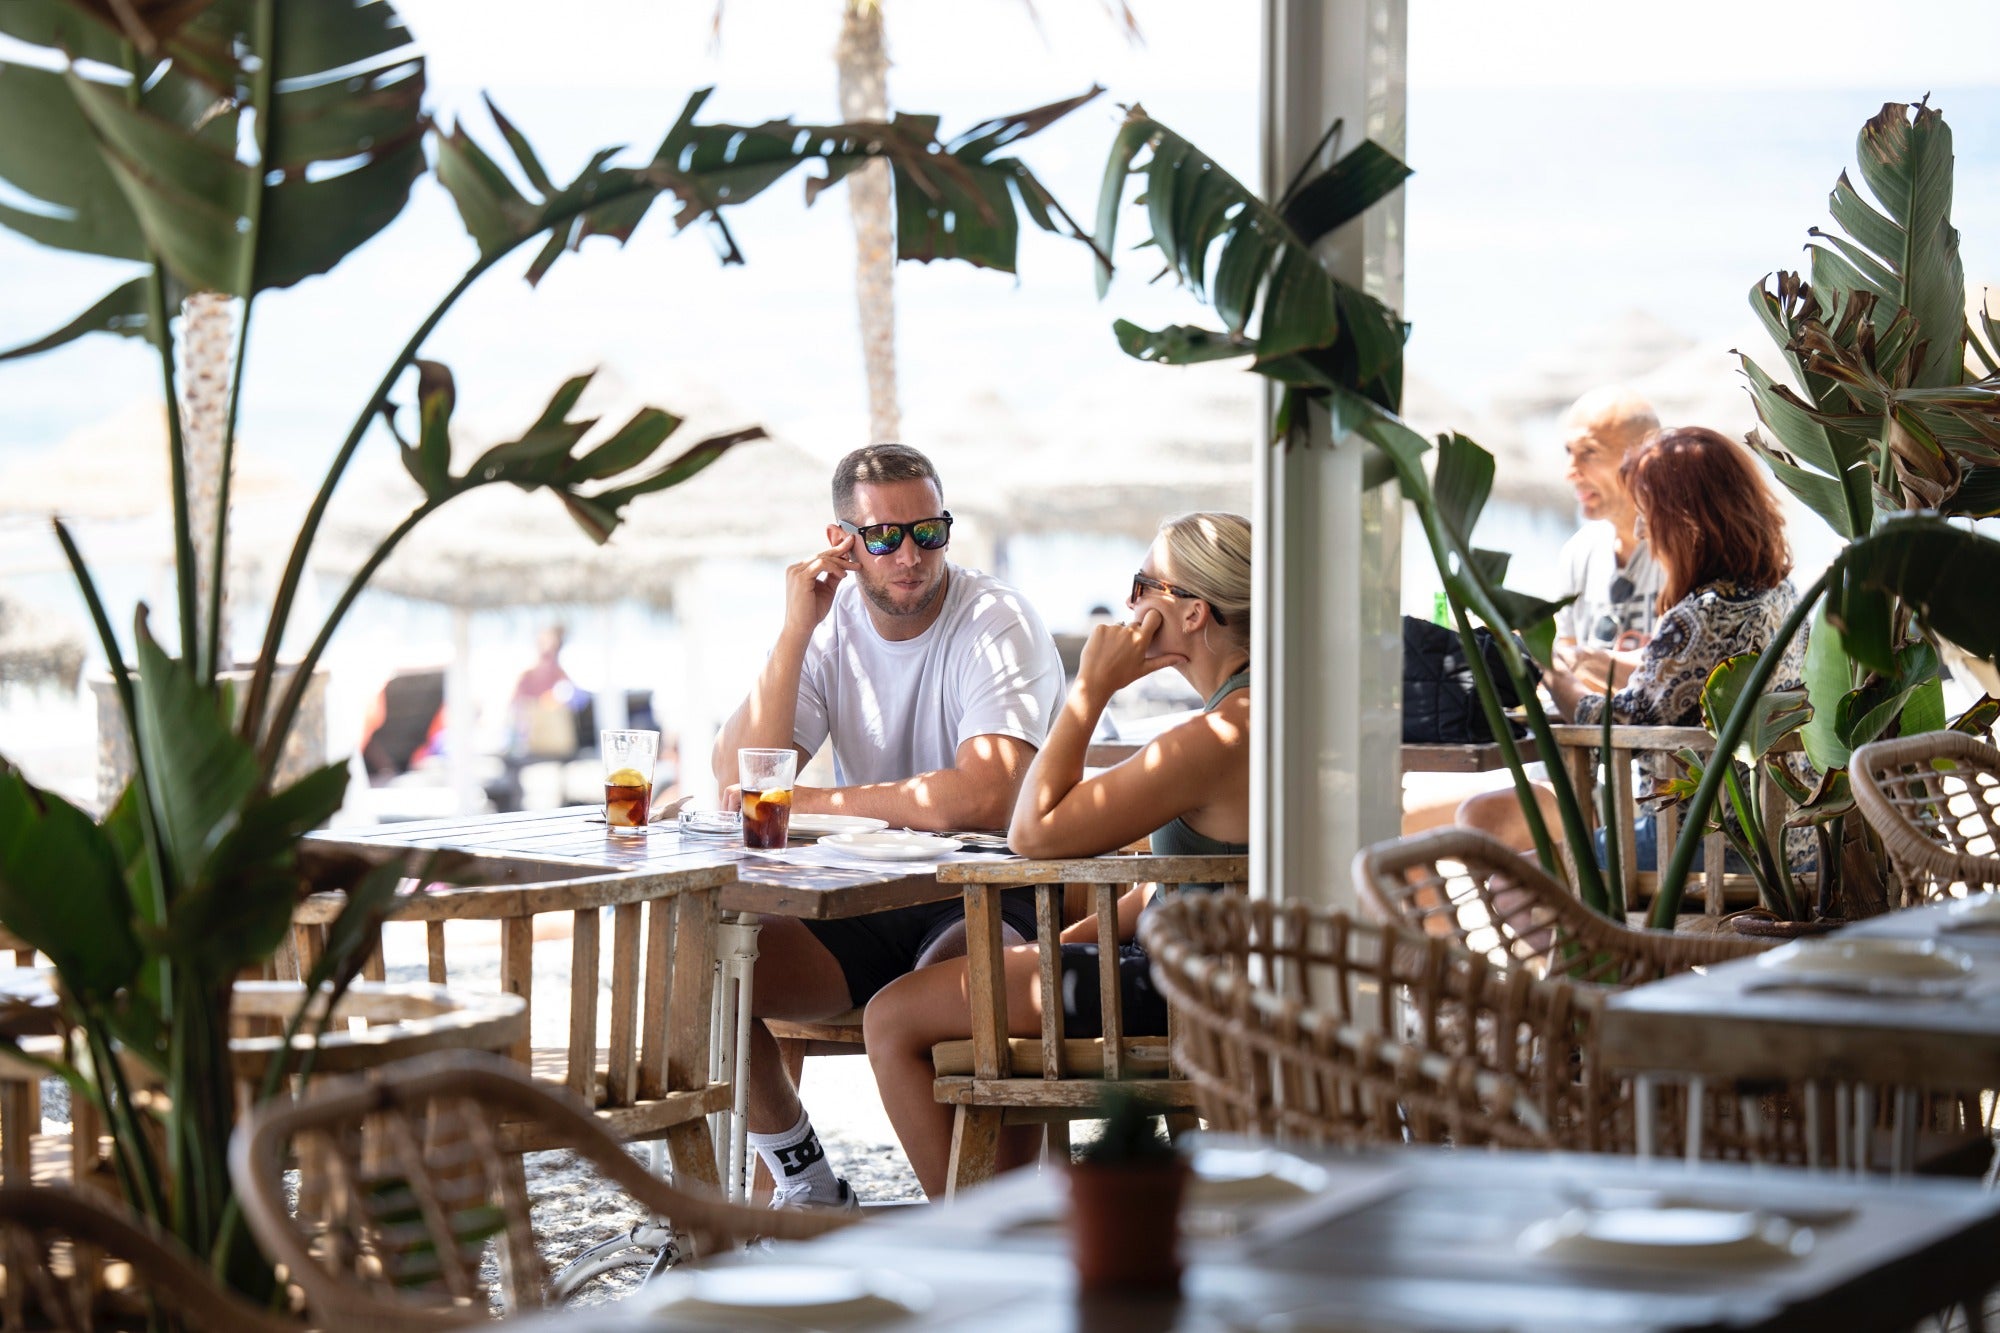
[
  {"x": 1602, "y": 634},
  {"x": 1617, "y": 583}
]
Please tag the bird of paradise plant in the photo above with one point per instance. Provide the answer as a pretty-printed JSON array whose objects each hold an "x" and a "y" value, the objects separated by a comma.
[{"x": 230, "y": 149}]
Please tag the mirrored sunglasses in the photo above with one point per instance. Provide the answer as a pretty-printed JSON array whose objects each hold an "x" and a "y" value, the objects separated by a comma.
[{"x": 930, "y": 534}]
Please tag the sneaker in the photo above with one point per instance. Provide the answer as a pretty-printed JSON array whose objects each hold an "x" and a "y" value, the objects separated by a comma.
[{"x": 801, "y": 1196}]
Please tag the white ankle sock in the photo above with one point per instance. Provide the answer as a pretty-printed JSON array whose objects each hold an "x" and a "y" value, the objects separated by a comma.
[{"x": 796, "y": 1160}]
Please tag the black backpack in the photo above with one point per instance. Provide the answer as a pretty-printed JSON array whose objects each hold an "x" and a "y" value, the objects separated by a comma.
[{"x": 1440, "y": 706}]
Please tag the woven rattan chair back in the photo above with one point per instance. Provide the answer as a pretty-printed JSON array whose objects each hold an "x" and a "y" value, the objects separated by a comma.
[
  {"x": 55, "y": 1243},
  {"x": 1301, "y": 1024},
  {"x": 1934, "y": 800},
  {"x": 1462, "y": 885},
  {"x": 422, "y": 1217}
]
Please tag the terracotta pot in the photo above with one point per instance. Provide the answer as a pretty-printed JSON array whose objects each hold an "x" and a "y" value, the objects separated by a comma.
[
  {"x": 1762, "y": 925},
  {"x": 1124, "y": 1224}
]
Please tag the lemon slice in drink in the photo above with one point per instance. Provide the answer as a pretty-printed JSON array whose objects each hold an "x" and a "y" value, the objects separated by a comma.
[{"x": 626, "y": 777}]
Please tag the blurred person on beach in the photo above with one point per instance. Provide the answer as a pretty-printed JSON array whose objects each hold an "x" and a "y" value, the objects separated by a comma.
[
  {"x": 541, "y": 724},
  {"x": 1188, "y": 792},
  {"x": 1607, "y": 566},
  {"x": 1719, "y": 537},
  {"x": 935, "y": 685}
]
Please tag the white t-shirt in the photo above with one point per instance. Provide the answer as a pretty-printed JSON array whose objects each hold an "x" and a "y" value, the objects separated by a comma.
[
  {"x": 1612, "y": 599},
  {"x": 985, "y": 667}
]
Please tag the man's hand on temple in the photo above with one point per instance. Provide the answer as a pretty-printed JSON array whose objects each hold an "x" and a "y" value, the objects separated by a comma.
[{"x": 811, "y": 584}]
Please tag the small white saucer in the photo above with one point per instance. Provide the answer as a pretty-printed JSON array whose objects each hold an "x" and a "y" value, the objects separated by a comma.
[{"x": 885, "y": 845}]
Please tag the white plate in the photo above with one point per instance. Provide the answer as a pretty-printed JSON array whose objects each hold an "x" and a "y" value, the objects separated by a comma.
[
  {"x": 1673, "y": 1236},
  {"x": 1981, "y": 911},
  {"x": 1867, "y": 957},
  {"x": 1231, "y": 1177},
  {"x": 790, "y": 1296},
  {"x": 887, "y": 846},
  {"x": 813, "y": 826}
]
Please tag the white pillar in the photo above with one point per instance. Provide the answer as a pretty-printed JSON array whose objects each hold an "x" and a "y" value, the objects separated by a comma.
[{"x": 1326, "y": 661}]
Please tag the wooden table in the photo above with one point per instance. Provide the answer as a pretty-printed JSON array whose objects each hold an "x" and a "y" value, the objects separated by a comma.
[
  {"x": 1725, "y": 1025},
  {"x": 1415, "y": 1238},
  {"x": 565, "y": 860}
]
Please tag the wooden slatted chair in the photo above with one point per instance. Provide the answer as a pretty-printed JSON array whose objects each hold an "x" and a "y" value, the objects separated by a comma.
[
  {"x": 651, "y": 1080},
  {"x": 1720, "y": 889},
  {"x": 1934, "y": 800},
  {"x": 1467, "y": 887},
  {"x": 992, "y": 1079},
  {"x": 74, "y": 1261},
  {"x": 427, "y": 1222}
]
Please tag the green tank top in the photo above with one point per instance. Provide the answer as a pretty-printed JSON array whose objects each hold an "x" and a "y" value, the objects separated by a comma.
[{"x": 1175, "y": 838}]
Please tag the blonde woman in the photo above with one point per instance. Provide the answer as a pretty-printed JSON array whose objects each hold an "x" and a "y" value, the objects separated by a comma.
[{"x": 1188, "y": 790}]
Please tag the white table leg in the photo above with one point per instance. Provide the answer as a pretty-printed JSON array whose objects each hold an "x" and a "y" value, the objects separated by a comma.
[
  {"x": 1643, "y": 1091},
  {"x": 736, "y": 955}
]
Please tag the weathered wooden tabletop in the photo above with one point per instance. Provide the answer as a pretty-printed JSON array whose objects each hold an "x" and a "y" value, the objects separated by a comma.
[
  {"x": 1422, "y": 1239},
  {"x": 571, "y": 842},
  {"x": 1742, "y": 1020}
]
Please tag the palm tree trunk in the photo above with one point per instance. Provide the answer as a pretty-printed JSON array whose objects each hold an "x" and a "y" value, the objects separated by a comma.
[
  {"x": 207, "y": 356},
  {"x": 864, "y": 95}
]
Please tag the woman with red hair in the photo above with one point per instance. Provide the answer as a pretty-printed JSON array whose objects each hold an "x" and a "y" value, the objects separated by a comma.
[{"x": 1720, "y": 539}]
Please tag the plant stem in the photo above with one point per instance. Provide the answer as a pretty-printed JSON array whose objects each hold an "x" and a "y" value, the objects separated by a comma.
[
  {"x": 295, "y": 690},
  {"x": 264, "y": 43},
  {"x": 1673, "y": 883},
  {"x": 1614, "y": 840},
  {"x": 281, "y": 606},
  {"x": 1503, "y": 733}
]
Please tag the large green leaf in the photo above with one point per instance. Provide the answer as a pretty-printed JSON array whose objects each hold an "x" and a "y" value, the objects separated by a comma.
[
  {"x": 161, "y": 175},
  {"x": 1829, "y": 677},
  {"x": 1777, "y": 714},
  {"x": 62, "y": 889},
  {"x": 124, "y": 310},
  {"x": 1944, "y": 574},
  {"x": 77, "y": 202},
  {"x": 239, "y": 912},
  {"x": 1906, "y": 162},
  {"x": 1240, "y": 256},
  {"x": 953, "y": 199},
  {"x": 1331, "y": 199},
  {"x": 200, "y": 773}
]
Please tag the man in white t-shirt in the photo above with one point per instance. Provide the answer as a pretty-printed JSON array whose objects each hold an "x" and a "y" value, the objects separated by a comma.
[
  {"x": 1606, "y": 564},
  {"x": 935, "y": 685},
  {"x": 1603, "y": 633}
]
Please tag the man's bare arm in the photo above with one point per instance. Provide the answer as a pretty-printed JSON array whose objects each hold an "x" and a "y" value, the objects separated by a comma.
[
  {"x": 977, "y": 792},
  {"x": 765, "y": 720}
]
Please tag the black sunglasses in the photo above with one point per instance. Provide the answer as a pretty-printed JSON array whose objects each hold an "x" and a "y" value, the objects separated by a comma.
[
  {"x": 1144, "y": 583},
  {"x": 883, "y": 538}
]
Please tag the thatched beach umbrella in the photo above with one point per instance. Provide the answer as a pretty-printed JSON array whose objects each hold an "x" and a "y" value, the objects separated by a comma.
[{"x": 37, "y": 650}]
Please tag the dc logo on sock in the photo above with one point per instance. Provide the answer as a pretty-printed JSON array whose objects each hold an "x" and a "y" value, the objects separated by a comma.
[{"x": 800, "y": 1155}]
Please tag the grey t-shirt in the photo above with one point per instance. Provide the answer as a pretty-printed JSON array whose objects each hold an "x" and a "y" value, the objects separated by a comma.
[{"x": 1612, "y": 599}]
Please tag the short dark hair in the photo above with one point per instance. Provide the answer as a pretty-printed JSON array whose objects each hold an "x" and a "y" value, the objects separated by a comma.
[{"x": 878, "y": 463}]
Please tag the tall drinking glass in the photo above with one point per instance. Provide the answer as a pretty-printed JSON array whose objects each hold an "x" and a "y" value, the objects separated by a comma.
[
  {"x": 766, "y": 777},
  {"x": 629, "y": 757}
]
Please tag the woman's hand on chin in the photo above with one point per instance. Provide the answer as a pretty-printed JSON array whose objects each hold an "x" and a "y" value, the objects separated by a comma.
[{"x": 1116, "y": 655}]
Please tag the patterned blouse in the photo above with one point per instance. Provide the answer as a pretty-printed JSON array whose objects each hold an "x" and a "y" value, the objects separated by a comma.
[{"x": 1714, "y": 622}]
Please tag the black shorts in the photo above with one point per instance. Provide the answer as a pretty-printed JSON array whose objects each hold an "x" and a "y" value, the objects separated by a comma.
[
  {"x": 1142, "y": 1007},
  {"x": 874, "y": 950}
]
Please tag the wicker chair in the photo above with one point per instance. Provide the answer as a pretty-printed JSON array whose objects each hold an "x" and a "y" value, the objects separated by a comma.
[
  {"x": 1306, "y": 1024},
  {"x": 1934, "y": 800},
  {"x": 1276, "y": 1010},
  {"x": 418, "y": 1187},
  {"x": 52, "y": 1243},
  {"x": 1464, "y": 886}
]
